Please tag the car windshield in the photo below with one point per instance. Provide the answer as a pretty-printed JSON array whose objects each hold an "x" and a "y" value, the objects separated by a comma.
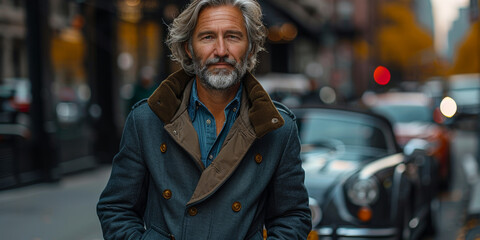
[
  {"x": 405, "y": 113},
  {"x": 321, "y": 130}
]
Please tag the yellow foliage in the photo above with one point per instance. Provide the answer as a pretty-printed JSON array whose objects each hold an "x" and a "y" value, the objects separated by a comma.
[
  {"x": 467, "y": 59},
  {"x": 401, "y": 42}
]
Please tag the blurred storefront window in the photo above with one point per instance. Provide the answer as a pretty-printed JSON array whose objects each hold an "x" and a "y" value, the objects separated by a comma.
[{"x": 71, "y": 91}]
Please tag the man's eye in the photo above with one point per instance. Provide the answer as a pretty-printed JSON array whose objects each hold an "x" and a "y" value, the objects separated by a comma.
[{"x": 207, "y": 37}]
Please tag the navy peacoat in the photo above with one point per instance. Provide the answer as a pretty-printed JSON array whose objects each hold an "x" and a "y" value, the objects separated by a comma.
[{"x": 159, "y": 188}]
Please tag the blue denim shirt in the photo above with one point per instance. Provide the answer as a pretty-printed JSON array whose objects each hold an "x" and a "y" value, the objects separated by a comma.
[{"x": 204, "y": 123}]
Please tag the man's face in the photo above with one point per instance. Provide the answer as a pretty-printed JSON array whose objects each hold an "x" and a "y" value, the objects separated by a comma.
[{"x": 219, "y": 47}]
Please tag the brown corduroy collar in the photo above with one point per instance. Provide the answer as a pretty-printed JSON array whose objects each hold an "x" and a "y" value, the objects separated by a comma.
[{"x": 262, "y": 113}]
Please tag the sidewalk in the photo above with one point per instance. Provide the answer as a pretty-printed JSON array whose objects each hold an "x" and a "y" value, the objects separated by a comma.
[
  {"x": 54, "y": 211},
  {"x": 471, "y": 229}
]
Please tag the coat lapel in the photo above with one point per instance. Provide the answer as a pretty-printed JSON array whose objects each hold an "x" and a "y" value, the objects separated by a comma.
[
  {"x": 181, "y": 129},
  {"x": 239, "y": 139},
  {"x": 167, "y": 99},
  {"x": 183, "y": 132}
]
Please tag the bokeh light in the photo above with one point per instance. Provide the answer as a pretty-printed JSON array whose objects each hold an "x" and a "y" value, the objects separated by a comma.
[
  {"x": 285, "y": 32},
  {"x": 328, "y": 95},
  {"x": 288, "y": 31},
  {"x": 381, "y": 75},
  {"x": 448, "y": 107}
]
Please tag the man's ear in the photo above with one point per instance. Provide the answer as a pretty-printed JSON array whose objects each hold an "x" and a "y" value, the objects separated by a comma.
[{"x": 187, "y": 49}]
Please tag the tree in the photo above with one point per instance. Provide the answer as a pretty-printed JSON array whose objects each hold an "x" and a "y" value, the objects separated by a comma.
[
  {"x": 402, "y": 44},
  {"x": 467, "y": 59}
]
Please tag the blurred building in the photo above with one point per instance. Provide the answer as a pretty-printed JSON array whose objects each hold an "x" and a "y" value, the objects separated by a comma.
[
  {"x": 80, "y": 61},
  {"x": 328, "y": 41},
  {"x": 457, "y": 32},
  {"x": 13, "y": 54},
  {"x": 424, "y": 14},
  {"x": 44, "y": 132}
]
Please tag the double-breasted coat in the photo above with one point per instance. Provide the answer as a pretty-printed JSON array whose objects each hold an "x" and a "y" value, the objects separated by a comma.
[{"x": 160, "y": 189}]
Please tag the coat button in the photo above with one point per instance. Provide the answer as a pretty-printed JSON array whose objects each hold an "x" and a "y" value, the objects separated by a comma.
[
  {"x": 236, "y": 206},
  {"x": 163, "y": 147},
  {"x": 167, "y": 194},
  {"x": 258, "y": 158},
  {"x": 192, "y": 211}
]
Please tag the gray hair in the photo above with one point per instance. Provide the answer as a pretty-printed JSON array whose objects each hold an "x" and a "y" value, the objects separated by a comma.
[{"x": 181, "y": 30}]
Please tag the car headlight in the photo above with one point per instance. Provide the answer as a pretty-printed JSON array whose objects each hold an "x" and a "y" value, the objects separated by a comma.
[
  {"x": 363, "y": 192},
  {"x": 316, "y": 211}
]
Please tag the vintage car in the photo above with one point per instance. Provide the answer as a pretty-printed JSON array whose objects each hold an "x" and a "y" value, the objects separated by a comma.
[
  {"x": 414, "y": 115},
  {"x": 360, "y": 183}
]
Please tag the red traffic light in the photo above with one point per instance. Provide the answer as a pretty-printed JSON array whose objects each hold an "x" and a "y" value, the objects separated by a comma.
[{"x": 381, "y": 75}]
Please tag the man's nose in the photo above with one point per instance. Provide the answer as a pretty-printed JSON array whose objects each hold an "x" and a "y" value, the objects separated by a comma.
[{"x": 221, "y": 49}]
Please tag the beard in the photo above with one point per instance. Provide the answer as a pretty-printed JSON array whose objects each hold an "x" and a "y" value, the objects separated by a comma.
[{"x": 219, "y": 79}]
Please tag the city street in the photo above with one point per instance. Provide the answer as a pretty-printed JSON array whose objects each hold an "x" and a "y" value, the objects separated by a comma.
[
  {"x": 454, "y": 202},
  {"x": 54, "y": 211},
  {"x": 66, "y": 210}
]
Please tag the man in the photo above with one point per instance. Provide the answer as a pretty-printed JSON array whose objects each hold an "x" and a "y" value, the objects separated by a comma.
[{"x": 209, "y": 156}]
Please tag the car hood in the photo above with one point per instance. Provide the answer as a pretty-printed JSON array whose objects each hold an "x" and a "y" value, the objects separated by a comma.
[{"x": 324, "y": 169}]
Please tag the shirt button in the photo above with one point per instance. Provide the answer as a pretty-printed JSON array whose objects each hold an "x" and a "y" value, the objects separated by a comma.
[
  {"x": 167, "y": 194},
  {"x": 236, "y": 206},
  {"x": 163, "y": 147},
  {"x": 192, "y": 211},
  {"x": 209, "y": 121},
  {"x": 258, "y": 158},
  {"x": 234, "y": 109},
  {"x": 210, "y": 157}
]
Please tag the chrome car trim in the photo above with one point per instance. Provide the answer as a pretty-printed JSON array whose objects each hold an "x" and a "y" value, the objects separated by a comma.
[
  {"x": 316, "y": 211},
  {"x": 339, "y": 202},
  {"x": 325, "y": 231},
  {"x": 366, "y": 232},
  {"x": 397, "y": 178},
  {"x": 390, "y": 161}
]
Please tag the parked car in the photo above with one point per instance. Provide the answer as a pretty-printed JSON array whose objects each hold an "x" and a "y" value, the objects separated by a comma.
[
  {"x": 414, "y": 115},
  {"x": 465, "y": 90},
  {"x": 287, "y": 88},
  {"x": 15, "y": 133},
  {"x": 361, "y": 185}
]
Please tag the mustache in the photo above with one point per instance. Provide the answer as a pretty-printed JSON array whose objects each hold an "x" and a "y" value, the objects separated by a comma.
[{"x": 220, "y": 60}]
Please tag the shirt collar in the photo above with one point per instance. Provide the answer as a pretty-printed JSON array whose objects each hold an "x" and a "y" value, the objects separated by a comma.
[{"x": 195, "y": 101}]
